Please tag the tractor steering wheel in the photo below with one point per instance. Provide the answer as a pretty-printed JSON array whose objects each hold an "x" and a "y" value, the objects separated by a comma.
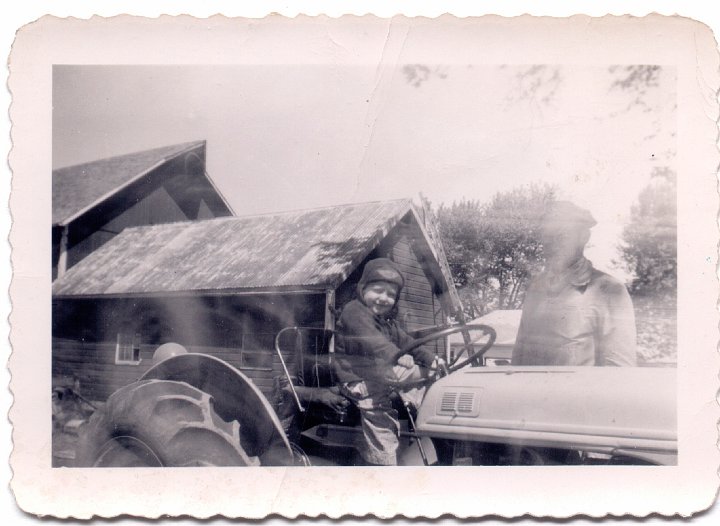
[{"x": 482, "y": 336}]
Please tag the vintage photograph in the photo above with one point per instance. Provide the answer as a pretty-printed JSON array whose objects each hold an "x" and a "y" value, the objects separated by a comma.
[
  {"x": 381, "y": 248},
  {"x": 272, "y": 265}
]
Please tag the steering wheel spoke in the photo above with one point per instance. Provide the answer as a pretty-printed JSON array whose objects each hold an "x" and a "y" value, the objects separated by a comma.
[{"x": 477, "y": 339}]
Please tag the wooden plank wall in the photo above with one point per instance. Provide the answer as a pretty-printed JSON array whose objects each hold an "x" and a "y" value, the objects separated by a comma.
[
  {"x": 94, "y": 365},
  {"x": 417, "y": 302},
  {"x": 93, "y": 362},
  {"x": 418, "y": 306}
]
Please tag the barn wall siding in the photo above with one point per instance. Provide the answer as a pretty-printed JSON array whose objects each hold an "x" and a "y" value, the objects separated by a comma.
[
  {"x": 418, "y": 303},
  {"x": 84, "y": 345},
  {"x": 94, "y": 366}
]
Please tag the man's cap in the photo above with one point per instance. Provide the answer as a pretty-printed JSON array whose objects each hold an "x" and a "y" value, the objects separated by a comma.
[{"x": 564, "y": 214}]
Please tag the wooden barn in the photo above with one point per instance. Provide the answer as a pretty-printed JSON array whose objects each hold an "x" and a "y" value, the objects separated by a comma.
[
  {"x": 94, "y": 202},
  {"x": 226, "y": 286}
]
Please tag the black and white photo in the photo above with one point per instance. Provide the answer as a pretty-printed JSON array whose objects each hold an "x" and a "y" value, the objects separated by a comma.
[{"x": 420, "y": 244}]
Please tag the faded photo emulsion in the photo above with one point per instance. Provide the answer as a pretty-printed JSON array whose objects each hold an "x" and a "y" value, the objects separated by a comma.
[{"x": 356, "y": 249}]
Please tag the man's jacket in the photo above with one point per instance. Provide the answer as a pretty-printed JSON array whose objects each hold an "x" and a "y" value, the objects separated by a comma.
[{"x": 581, "y": 317}]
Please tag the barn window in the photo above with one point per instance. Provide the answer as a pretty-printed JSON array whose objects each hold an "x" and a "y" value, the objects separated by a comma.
[
  {"x": 246, "y": 348},
  {"x": 127, "y": 349},
  {"x": 256, "y": 351}
]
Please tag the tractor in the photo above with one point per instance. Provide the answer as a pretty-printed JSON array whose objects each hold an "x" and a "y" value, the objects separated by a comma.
[{"x": 197, "y": 410}]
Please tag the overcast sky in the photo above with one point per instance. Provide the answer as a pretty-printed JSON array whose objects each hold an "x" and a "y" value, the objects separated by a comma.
[{"x": 284, "y": 137}]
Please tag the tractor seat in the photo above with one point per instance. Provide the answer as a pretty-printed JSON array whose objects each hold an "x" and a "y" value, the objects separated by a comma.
[{"x": 313, "y": 365}]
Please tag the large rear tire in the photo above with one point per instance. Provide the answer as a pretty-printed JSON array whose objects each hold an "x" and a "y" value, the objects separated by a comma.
[{"x": 161, "y": 423}]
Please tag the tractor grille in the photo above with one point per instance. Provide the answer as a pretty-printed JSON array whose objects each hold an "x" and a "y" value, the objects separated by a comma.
[
  {"x": 447, "y": 405},
  {"x": 465, "y": 402},
  {"x": 459, "y": 404}
]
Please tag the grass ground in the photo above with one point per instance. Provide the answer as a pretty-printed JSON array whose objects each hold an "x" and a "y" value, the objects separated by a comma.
[{"x": 656, "y": 319}]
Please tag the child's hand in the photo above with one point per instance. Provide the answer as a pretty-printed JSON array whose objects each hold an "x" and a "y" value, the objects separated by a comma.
[
  {"x": 406, "y": 361},
  {"x": 439, "y": 363},
  {"x": 330, "y": 399}
]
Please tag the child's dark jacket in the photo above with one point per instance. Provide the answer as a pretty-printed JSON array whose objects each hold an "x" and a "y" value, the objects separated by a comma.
[{"x": 366, "y": 345}]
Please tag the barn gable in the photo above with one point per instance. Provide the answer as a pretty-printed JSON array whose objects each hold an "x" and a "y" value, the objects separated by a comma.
[{"x": 93, "y": 202}]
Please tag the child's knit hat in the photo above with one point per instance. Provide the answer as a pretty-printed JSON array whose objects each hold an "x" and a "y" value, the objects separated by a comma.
[{"x": 380, "y": 269}]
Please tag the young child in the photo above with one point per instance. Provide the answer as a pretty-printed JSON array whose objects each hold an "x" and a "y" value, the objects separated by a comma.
[{"x": 368, "y": 337}]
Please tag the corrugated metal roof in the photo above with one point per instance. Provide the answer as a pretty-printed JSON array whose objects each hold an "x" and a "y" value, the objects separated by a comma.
[
  {"x": 292, "y": 249},
  {"x": 75, "y": 188}
]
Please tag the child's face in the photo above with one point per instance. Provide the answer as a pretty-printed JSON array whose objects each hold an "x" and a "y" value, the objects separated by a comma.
[{"x": 380, "y": 296}]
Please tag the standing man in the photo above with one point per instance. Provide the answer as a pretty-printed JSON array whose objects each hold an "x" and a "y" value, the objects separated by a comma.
[{"x": 574, "y": 314}]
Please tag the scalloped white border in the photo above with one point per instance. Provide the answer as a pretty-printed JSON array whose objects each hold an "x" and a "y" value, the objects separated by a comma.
[{"x": 178, "y": 7}]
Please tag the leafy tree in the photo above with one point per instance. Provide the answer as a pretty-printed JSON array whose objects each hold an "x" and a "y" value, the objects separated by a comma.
[
  {"x": 539, "y": 83},
  {"x": 417, "y": 74},
  {"x": 493, "y": 248},
  {"x": 636, "y": 80},
  {"x": 649, "y": 247}
]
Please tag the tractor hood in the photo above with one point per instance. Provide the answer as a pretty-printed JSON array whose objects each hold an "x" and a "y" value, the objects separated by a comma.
[{"x": 619, "y": 410}]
